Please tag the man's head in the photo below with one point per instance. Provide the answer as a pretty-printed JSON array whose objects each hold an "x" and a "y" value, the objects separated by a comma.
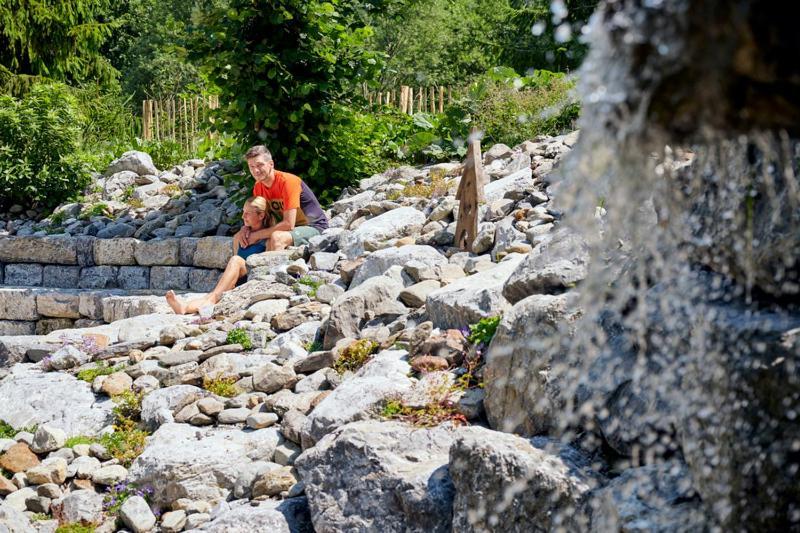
[{"x": 259, "y": 160}]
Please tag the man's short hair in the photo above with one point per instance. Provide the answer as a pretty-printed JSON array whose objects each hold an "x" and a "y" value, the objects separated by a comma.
[{"x": 258, "y": 150}]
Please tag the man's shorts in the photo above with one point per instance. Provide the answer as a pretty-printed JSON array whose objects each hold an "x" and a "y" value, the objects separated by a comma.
[{"x": 301, "y": 234}]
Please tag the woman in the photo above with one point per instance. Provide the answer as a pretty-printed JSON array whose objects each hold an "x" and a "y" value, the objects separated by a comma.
[{"x": 253, "y": 215}]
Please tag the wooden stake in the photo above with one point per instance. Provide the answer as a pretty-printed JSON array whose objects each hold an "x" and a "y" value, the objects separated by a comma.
[
  {"x": 470, "y": 194},
  {"x": 441, "y": 99},
  {"x": 410, "y": 100},
  {"x": 432, "y": 102}
]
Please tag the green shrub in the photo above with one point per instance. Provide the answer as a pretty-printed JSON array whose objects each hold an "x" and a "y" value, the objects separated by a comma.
[
  {"x": 239, "y": 336},
  {"x": 39, "y": 143},
  {"x": 7, "y": 431},
  {"x": 222, "y": 386},
  {"x": 95, "y": 210},
  {"x": 311, "y": 282},
  {"x": 354, "y": 356},
  {"x": 79, "y": 439},
  {"x": 482, "y": 332},
  {"x": 313, "y": 346},
  {"x": 127, "y": 441},
  {"x": 89, "y": 374},
  {"x": 75, "y": 528}
]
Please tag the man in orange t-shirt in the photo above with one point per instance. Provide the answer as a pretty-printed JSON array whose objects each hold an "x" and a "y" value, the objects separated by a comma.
[{"x": 293, "y": 212}]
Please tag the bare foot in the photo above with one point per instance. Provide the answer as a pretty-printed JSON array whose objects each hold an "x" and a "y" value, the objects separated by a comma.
[{"x": 175, "y": 304}]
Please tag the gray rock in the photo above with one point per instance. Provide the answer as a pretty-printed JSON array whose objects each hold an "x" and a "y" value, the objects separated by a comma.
[
  {"x": 206, "y": 222},
  {"x": 181, "y": 461},
  {"x": 133, "y": 277},
  {"x": 24, "y": 275},
  {"x": 416, "y": 295},
  {"x": 381, "y": 476},
  {"x": 80, "y": 506},
  {"x": 379, "y": 262},
  {"x": 138, "y": 162},
  {"x": 324, "y": 261},
  {"x": 60, "y": 276},
  {"x": 60, "y": 304},
  {"x": 249, "y": 293},
  {"x": 115, "y": 230},
  {"x": 514, "y": 185},
  {"x": 237, "y": 415},
  {"x": 287, "y": 516},
  {"x": 523, "y": 394},
  {"x": 659, "y": 495},
  {"x": 467, "y": 300},
  {"x": 52, "y": 250},
  {"x": 109, "y": 475},
  {"x": 272, "y": 378},
  {"x": 18, "y": 304},
  {"x": 390, "y": 225},
  {"x": 114, "y": 251},
  {"x": 328, "y": 293},
  {"x": 98, "y": 277},
  {"x": 213, "y": 252},
  {"x": 159, "y": 406},
  {"x": 188, "y": 247},
  {"x": 261, "y": 420},
  {"x": 374, "y": 298},
  {"x": 203, "y": 279},
  {"x": 158, "y": 252},
  {"x": 30, "y": 398},
  {"x": 553, "y": 267},
  {"x": 13, "y": 521},
  {"x": 136, "y": 514},
  {"x": 169, "y": 278},
  {"x": 496, "y": 476},
  {"x": 173, "y": 521},
  {"x": 505, "y": 236},
  {"x": 48, "y": 438},
  {"x": 497, "y": 151}
]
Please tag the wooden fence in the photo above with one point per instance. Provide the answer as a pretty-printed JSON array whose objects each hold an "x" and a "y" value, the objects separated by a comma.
[
  {"x": 412, "y": 99},
  {"x": 177, "y": 119}
]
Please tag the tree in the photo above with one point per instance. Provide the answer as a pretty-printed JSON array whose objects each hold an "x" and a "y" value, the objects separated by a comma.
[
  {"x": 56, "y": 39},
  {"x": 280, "y": 66}
]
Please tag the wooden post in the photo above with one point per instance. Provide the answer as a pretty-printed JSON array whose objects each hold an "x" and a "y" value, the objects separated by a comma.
[
  {"x": 184, "y": 143},
  {"x": 432, "y": 102},
  {"x": 469, "y": 195},
  {"x": 411, "y": 100},
  {"x": 380, "y": 98},
  {"x": 441, "y": 99}
]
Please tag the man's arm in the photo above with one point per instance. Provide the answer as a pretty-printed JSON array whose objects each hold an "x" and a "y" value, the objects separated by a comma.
[{"x": 287, "y": 224}]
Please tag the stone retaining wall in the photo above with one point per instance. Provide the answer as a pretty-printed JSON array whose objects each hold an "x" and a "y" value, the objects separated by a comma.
[
  {"x": 57, "y": 282},
  {"x": 188, "y": 263}
]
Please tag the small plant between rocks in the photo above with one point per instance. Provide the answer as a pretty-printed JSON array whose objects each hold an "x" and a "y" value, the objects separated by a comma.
[
  {"x": 96, "y": 210},
  {"x": 437, "y": 187},
  {"x": 100, "y": 369},
  {"x": 222, "y": 386},
  {"x": 430, "y": 415},
  {"x": 118, "y": 494},
  {"x": 308, "y": 281},
  {"x": 127, "y": 441},
  {"x": 7, "y": 431},
  {"x": 313, "y": 346},
  {"x": 481, "y": 333},
  {"x": 75, "y": 528},
  {"x": 239, "y": 336},
  {"x": 354, "y": 356},
  {"x": 71, "y": 442}
]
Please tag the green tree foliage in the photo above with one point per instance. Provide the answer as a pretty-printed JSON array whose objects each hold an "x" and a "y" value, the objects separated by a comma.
[
  {"x": 529, "y": 37},
  {"x": 149, "y": 46},
  {"x": 56, "y": 39},
  {"x": 280, "y": 66},
  {"x": 39, "y": 147}
]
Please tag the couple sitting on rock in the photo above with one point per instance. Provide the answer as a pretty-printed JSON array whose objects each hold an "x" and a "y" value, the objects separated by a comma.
[{"x": 283, "y": 211}]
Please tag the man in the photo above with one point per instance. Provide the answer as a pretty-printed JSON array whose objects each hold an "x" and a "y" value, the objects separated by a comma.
[{"x": 294, "y": 214}]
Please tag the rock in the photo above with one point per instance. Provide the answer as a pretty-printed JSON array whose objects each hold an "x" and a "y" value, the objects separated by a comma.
[
  {"x": 272, "y": 378},
  {"x": 390, "y": 225},
  {"x": 467, "y": 300},
  {"x": 99, "y": 277},
  {"x": 297, "y": 315},
  {"x": 18, "y": 458},
  {"x": 169, "y": 278},
  {"x": 114, "y": 251},
  {"x": 274, "y": 482},
  {"x": 497, "y": 151},
  {"x": 12, "y": 520},
  {"x": 383, "y": 476},
  {"x": 138, "y": 162},
  {"x": 353, "y": 202},
  {"x": 116, "y": 229},
  {"x": 6, "y": 488},
  {"x": 261, "y": 420},
  {"x": 553, "y": 267},
  {"x": 24, "y": 275},
  {"x": 233, "y": 416},
  {"x": 173, "y": 521},
  {"x": 379, "y": 262},
  {"x": 136, "y": 514},
  {"x": 132, "y": 278},
  {"x": 51, "y": 470},
  {"x": 506, "y": 237},
  {"x": 267, "y": 309},
  {"x": 68, "y": 357},
  {"x": 61, "y": 304},
  {"x": 60, "y": 399},
  {"x": 116, "y": 383},
  {"x": 48, "y": 438},
  {"x": 328, "y": 293},
  {"x": 249, "y": 293},
  {"x": 159, "y": 406},
  {"x": 324, "y": 261},
  {"x": 450, "y": 345},
  {"x": 194, "y": 521},
  {"x": 528, "y": 337},
  {"x": 206, "y": 222},
  {"x": 659, "y": 495},
  {"x": 415, "y": 295},
  {"x": 287, "y": 516},
  {"x": 182, "y": 461},
  {"x": 213, "y": 252},
  {"x": 285, "y": 454},
  {"x": 514, "y": 185},
  {"x": 429, "y": 363},
  {"x": 157, "y": 252},
  {"x": 210, "y": 406},
  {"x": 46, "y": 250},
  {"x": 496, "y": 476},
  {"x": 372, "y": 299},
  {"x": 83, "y": 467},
  {"x": 384, "y": 376},
  {"x": 109, "y": 475},
  {"x": 16, "y": 500},
  {"x": 18, "y": 304}
]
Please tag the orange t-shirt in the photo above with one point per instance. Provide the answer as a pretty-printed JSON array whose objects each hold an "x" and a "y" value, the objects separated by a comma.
[{"x": 289, "y": 192}]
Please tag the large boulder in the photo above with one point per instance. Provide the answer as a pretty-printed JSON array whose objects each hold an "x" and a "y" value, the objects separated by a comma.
[
  {"x": 524, "y": 360},
  {"x": 34, "y": 398},
  {"x": 13, "y": 521},
  {"x": 467, "y": 300},
  {"x": 182, "y": 461},
  {"x": 390, "y": 225},
  {"x": 380, "y": 476},
  {"x": 508, "y": 483},
  {"x": 134, "y": 161},
  {"x": 384, "y": 376},
  {"x": 379, "y": 262},
  {"x": 513, "y": 185},
  {"x": 375, "y": 298},
  {"x": 659, "y": 496},
  {"x": 287, "y": 516},
  {"x": 243, "y": 296}
]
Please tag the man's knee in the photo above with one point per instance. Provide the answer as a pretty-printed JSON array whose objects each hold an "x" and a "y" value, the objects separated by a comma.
[{"x": 280, "y": 240}]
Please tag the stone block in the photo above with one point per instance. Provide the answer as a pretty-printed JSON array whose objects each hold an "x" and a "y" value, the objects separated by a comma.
[
  {"x": 84, "y": 249},
  {"x": 98, "y": 277},
  {"x": 17, "y": 327},
  {"x": 165, "y": 277},
  {"x": 49, "y": 325},
  {"x": 114, "y": 251},
  {"x": 65, "y": 277},
  {"x": 203, "y": 279},
  {"x": 91, "y": 303},
  {"x": 54, "y": 250},
  {"x": 26, "y": 275},
  {"x": 18, "y": 304},
  {"x": 158, "y": 252},
  {"x": 213, "y": 252},
  {"x": 133, "y": 277},
  {"x": 58, "y": 304},
  {"x": 188, "y": 246},
  {"x": 2, "y": 268}
]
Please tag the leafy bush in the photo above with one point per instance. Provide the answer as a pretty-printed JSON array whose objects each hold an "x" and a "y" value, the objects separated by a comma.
[
  {"x": 313, "y": 346},
  {"x": 222, "y": 386},
  {"x": 312, "y": 283},
  {"x": 7, "y": 431},
  {"x": 354, "y": 356},
  {"x": 127, "y": 441},
  {"x": 89, "y": 374},
  {"x": 482, "y": 332},
  {"x": 78, "y": 439},
  {"x": 39, "y": 144},
  {"x": 239, "y": 336},
  {"x": 75, "y": 528}
]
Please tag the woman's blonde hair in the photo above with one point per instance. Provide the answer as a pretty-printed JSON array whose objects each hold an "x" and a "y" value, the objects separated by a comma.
[{"x": 257, "y": 202}]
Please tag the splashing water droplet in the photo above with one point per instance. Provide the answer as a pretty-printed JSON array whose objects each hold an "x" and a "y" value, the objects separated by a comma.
[{"x": 538, "y": 28}]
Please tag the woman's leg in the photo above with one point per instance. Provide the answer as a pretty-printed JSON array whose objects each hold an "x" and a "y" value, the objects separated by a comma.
[{"x": 235, "y": 269}]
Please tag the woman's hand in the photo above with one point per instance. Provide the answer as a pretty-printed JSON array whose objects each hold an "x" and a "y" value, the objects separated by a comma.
[{"x": 242, "y": 237}]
